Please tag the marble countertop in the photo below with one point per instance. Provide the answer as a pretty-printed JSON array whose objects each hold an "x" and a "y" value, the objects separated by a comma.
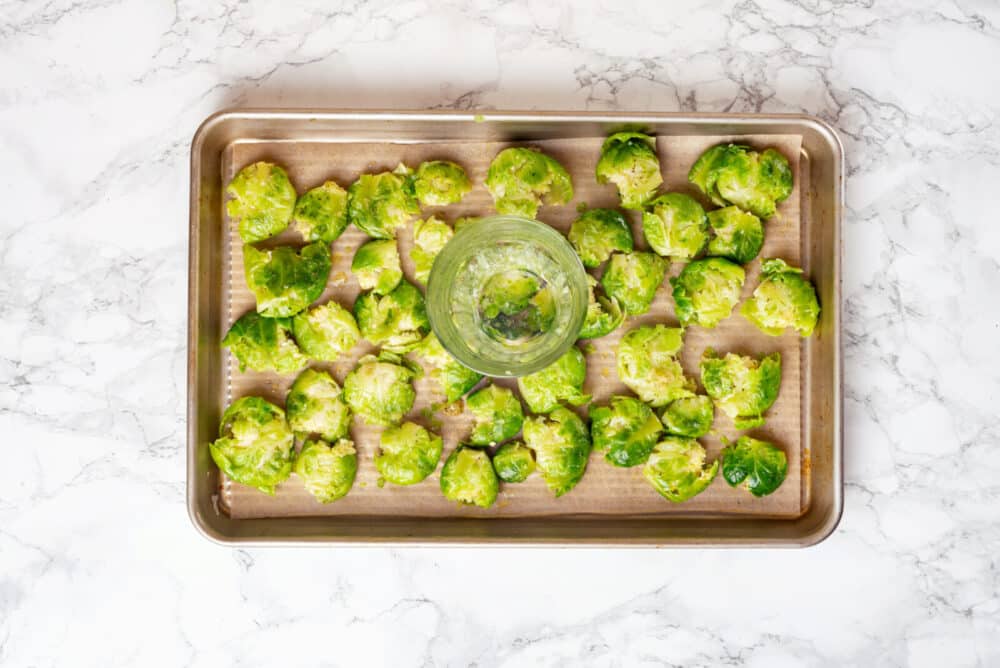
[{"x": 99, "y": 564}]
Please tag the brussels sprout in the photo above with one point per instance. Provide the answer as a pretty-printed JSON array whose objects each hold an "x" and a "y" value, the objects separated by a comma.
[
  {"x": 732, "y": 174},
  {"x": 515, "y": 305},
  {"x": 429, "y": 237},
  {"x": 562, "y": 447},
  {"x": 604, "y": 314},
  {"x": 760, "y": 467},
  {"x": 376, "y": 266},
  {"x": 514, "y": 462},
  {"x": 453, "y": 378},
  {"x": 407, "y": 454},
  {"x": 440, "y": 182},
  {"x": 626, "y": 430},
  {"x": 497, "y": 414},
  {"x": 628, "y": 160},
  {"x": 739, "y": 235},
  {"x": 315, "y": 405},
  {"x": 676, "y": 469},
  {"x": 396, "y": 321},
  {"x": 380, "y": 391},
  {"x": 706, "y": 291},
  {"x": 326, "y": 332},
  {"x": 327, "y": 471},
  {"x": 380, "y": 203},
  {"x": 742, "y": 387},
  {"x": 675, "y": 226},
  {"x": 560, "y": 381},
  {"x": 520, "y": 179},
  {"x": 783, "y": 299},
  {"x": 321, "y": 214},
  {"x": 255, "y": 445},
  {"x": 284, "y": 280},
  {"x": 597, "y": 233},
  {"x": 262, "y": 199},
  {"x": 647, "y": 364},
  {"x": 689, "y": 416},
  {"x": 633, "y": 278},
  {"x": 264, "y": 344},
  {"x": 468, "y": 478}
]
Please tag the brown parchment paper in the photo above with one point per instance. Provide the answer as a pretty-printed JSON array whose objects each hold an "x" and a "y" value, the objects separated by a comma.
[{"x": 604, "y": 490}]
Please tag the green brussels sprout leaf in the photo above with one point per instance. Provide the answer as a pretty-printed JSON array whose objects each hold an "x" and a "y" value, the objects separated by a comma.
[
  {"x": 604, "y": 314},
  {"x": 514, "y": 462},
  {"x": 376, "y": 266},
  {"x": 264, "y": 344},
  {"x": 758, "y": 466},
  {"x": 691, "y": 417},
  {"x": 285, "y": 280},
  {"x": 739, "y": 235}
]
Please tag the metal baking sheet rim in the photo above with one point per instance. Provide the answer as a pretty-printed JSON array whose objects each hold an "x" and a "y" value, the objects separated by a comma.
[{"x": 690, "y": 531}]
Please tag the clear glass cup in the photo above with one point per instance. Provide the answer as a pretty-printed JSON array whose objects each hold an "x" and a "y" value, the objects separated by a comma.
[{"x": 507, "y": 296}]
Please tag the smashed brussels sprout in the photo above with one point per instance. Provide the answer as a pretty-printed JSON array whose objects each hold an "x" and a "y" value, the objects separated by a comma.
[
  {"x": 604, "y": 314},
  {"x": 628, "y": 160},
  {"x": 739, "y": 235},
  {"x": 562, "y": 448},
  {"x": 758, "y": 466},
  {"x": 633, "y": 278},
  {"x": 255, "y": 445},
  {"x": 396, "y": 321},
  {"x": 468, "y": 477},
  {"x": 376, "y": 266},
  {"x": 520, "y": 179},
  {"x": 560, "y": 381},
  {"x": 284, "y": 280},
  {"x": 452, "y": 377},
  {"x": 648, "y": 365},
  {"x": 742, "y": 387},
  {"x": 315, "y": 405},
  {"x": 783, "y": 299},
  {"x": 597, "y": 233},
  {"x": 706, "y": 291},
  {"x": 440, "y": 182},
  {"x": 625, "y": 430},
  {"x": 676, "y": 469},
  {"x": 263, "y": 199},
  {"x": 497, "y": 415},
  {"x": 326, "y": 332},
  {"x": 379, "y": 203},
  {"x": 407, "y": 454},
  {"x": 514, "y": 462},
  {"x": 327, "y": 471},
  {"x": 264, "y": 344},
  {"x": 321, "y": 214},
  {"x": 380, "y": 390},
  {"x": 732, "y": 174},
  {"x": 675, "y": 226},
  {"x": 429, "y": 237},
  {"x": 689, "y": 416}
]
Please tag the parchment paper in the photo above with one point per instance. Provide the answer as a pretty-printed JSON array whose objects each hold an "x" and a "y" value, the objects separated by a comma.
[{"x": 604, "y": 490}]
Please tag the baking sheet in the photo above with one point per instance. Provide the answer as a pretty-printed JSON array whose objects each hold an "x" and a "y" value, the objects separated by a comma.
[{"x": 605, "y": 490}]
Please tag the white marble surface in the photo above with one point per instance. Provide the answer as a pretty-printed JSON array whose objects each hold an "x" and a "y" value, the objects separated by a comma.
[{"x": 99, "y": 565}]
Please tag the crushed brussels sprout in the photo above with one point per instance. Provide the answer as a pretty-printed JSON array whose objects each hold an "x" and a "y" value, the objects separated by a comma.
[
  {"x": 378, "y": 204},
  {"x": 497, "y": 415},
  {"x": 263, "y": 199},
  {"x": 429, "y": 238},
  {"x": 691, "y": 417},
  {"x": 321, "y": 214},
  {"x": 376, "y": 266},
  {"x": 739, "y": 235},
  {"x": 396, "y": 321},
  {"x": 604, "y": 314},
  {"x": 380, "y": 390},
  {"x": 757, "y": 466},
  {"x": 732, "y": 174},
  {"x": 706, "y": 291},
  {"x": 407, "y": 454},
  {"x": 675, "y": 226},
  {"x": 315, "y": 405},
  {"x": 628, "y": 160},
  {"x": 264, "y": 344},
  {"x": 597, "y": 233},
  {"x": 633, "y": 279},
  {"x": 625, "y": 430},
  {"x": 514, "y": 462},
  {"x": 326, "y": 332},
  {"x": 520, "y": 179},
  {"x": 441, "y": 182},
  {"x": 452, "y": 377},
  {"x": 783, "y": 299},
  {"x": 560, "y": 381},
  {"x": 285, "y": 280},
  {"x": 676, "y": 469},
  {"x": 647, "y": 364},
  {"x": 561, "y": 445},
  {"x": 255, "y": 445},
  {"x": 742, "y": 387},
  {"x": 468, "y": 477},
  {"x": 327, "y": 471}
]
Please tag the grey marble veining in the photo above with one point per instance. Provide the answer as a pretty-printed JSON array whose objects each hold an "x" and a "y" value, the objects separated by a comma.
[{"x": 99, "y": 565}]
